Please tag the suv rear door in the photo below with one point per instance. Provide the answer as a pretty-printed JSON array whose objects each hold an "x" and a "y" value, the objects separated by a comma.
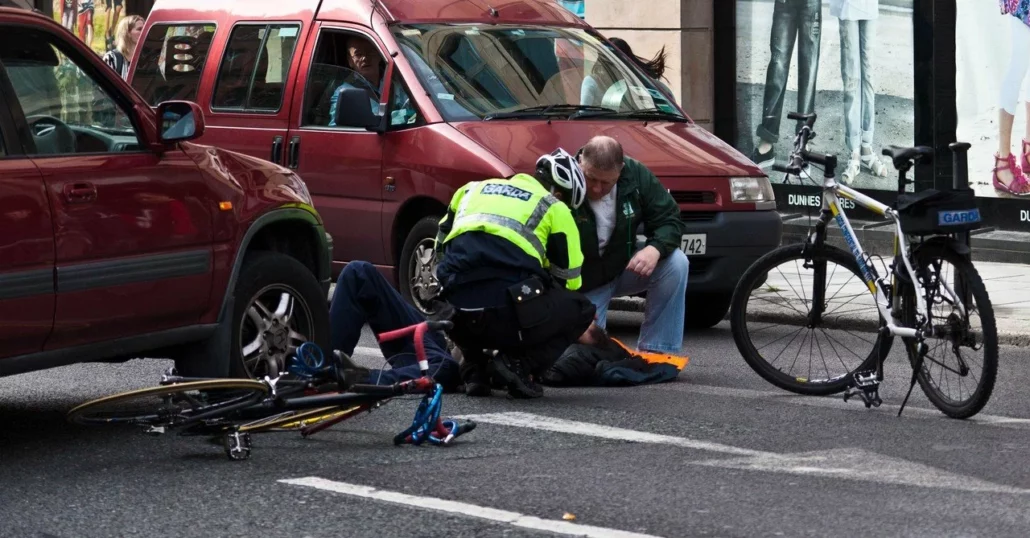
[
  {"x": 132, "y": 226},
  {"x": 248, "y": 108},
  {"x": 26, "y": 244}
]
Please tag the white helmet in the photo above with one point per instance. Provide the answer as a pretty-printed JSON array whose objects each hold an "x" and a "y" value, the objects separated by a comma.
[{"x": 560, "y": 171}]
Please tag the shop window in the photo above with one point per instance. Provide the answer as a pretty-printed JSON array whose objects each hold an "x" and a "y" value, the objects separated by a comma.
[
  {"x": 171, "y": 62},
  {"x": 253, "y": 71}
]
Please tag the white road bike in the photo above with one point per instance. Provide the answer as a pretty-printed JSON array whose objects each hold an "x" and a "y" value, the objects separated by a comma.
[{"x": 818, "y": 306}]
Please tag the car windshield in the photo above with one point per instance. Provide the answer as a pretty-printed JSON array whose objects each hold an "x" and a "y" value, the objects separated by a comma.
[{"x": 509, "y": 72}]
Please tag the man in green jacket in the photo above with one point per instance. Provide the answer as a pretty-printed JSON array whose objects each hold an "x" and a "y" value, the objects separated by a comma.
[{"x": 622, "y": 193}]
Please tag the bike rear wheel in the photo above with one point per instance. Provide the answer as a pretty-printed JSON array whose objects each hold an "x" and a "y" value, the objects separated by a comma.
[
  {"x": 168, "y": 405},
  {"x": 958, "y": 383},
  {"x": 771, "y": 319}
]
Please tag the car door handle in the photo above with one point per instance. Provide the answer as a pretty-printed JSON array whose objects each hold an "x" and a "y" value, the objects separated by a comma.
[
  {"x": 294, "y": 153},
  {"x": 277, "y": 150},
  {"x": 78, "y": 193}
]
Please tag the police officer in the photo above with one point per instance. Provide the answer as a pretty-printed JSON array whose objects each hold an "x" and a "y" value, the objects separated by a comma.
[{"x": 510, "y": 259}]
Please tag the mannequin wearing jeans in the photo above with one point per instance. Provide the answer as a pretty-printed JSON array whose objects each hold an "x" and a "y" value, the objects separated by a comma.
[
  {"x": 799, "y": 20},
  {"x": 857, "y": 37}
]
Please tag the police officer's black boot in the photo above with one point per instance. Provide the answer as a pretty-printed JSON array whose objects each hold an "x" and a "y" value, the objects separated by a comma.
[
  {"x": 516, "y": 375},
  {"x": 475, "y": 374}
]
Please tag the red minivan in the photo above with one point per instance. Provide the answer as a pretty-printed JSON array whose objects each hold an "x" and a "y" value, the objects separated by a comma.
[{"x": 386, "y": 107}]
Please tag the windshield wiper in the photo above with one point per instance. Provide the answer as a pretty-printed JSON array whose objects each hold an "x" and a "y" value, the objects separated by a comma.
[
  {"x": 548, "y": 110},
  {"x": 648, "y": 113}
]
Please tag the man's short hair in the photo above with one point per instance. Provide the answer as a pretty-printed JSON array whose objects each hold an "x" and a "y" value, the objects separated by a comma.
[{"x": 603, "y": 153}]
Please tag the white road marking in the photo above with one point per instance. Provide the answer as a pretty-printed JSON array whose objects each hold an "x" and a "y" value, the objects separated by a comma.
[
  {"x": 848, "y": 463},
  {"x": 832, "y": 402},
  {"x": 538, "y": 422},
  {"x": 463, "y": 509}
]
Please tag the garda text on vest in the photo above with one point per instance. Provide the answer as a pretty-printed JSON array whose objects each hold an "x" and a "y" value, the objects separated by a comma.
[{"x": 508, "y": 191}]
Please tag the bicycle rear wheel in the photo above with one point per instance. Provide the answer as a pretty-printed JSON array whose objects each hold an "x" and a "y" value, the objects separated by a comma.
[
  {"x": 959, "y": 369},
  {"x": 771, "y": 319},
  {"x": 168, "y": 405}
]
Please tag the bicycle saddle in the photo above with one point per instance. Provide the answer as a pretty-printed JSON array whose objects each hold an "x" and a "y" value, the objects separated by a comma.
[{"x": 901, "y": 156}]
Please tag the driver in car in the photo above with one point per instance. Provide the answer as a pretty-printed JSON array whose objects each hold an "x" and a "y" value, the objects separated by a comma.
[{"x": 363, "y": 58}]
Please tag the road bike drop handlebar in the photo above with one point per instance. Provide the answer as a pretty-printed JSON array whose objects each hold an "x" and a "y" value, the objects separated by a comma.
[{"x": 419, "y": 330}]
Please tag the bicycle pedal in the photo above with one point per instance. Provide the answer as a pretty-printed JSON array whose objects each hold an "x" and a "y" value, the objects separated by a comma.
[{"x": 237, "y": 445}]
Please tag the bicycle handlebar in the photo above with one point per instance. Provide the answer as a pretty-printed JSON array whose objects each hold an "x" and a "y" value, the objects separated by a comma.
[{"x": 419, "y": 330}]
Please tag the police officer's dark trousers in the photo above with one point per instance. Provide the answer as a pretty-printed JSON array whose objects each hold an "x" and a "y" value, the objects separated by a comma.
[{"x": 536, "y": 330}]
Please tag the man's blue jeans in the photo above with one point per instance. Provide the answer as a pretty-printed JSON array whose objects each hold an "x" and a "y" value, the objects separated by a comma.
[
  {"x": 666, "y": 289},
  {"x": 856, "y": 72},
  {"x": 363, "y": 296}
]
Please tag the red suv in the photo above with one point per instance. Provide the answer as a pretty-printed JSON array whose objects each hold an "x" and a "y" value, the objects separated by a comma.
[{"x": 121, "y": 239}]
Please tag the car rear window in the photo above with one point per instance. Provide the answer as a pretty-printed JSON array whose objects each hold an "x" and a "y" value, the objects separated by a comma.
[
  {"x": 171, "y": 61},
  {"x": 254, "y": 68}
]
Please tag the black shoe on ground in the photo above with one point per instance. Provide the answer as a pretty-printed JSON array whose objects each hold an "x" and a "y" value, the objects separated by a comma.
[
  {"x": 516, "y": 376},
  {"x": 764, "y": 160},
  {"x": 352, "y": 371},
  {"x": 477, "y": 379}
]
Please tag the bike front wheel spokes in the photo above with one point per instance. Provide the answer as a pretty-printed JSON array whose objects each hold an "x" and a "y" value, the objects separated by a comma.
[
  {"x": 168, "y": 405},
  {"x": 805, "y": 321}
]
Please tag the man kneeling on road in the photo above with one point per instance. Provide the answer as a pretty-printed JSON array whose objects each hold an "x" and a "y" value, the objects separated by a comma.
[
  {"x": 510, "y": 262},
  {"x": 622, "y": 193},
  {"x": 362, "y": 295}
]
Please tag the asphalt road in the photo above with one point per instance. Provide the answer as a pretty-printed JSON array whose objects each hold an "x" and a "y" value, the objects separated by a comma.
[{"x": 717, "y": 453}]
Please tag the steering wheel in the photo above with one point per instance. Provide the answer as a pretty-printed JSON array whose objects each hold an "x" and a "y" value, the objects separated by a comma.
[{"x": 52, "y": 136}]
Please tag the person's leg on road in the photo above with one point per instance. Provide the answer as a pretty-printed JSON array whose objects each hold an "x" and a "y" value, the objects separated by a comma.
[
  {"x": 601, "y": 297},
  {"x": 362, "y": 295},
  {"x": 666, "y": 307}
]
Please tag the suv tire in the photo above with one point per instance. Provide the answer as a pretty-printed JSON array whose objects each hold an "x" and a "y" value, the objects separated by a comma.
[
  {"x": 412, "y": 265},
  {"x": 265, "y": 278}
]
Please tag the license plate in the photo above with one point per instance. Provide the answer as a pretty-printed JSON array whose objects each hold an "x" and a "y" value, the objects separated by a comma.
[{"x": 694, "y": 244}]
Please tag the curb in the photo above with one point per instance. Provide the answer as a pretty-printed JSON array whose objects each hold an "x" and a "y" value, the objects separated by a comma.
[{"x": 1006, "y": 337}]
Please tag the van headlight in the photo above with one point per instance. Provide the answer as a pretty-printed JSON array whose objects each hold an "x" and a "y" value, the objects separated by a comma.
[{"x": 751, "y": 189}]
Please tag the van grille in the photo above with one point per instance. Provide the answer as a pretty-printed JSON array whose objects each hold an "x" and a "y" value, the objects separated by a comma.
[
  {"x": 694, "y": 197},
  {"x": 697, "y": 216}
]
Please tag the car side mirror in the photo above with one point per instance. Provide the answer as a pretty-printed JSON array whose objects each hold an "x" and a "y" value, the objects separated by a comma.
[
  {"x": 180, "y": 121},
  {"x": 354, "y": 109}
]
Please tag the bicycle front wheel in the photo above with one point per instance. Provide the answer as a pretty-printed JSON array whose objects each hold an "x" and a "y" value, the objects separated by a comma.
[
  {"x": 168, "y": 405},
  {"x": 787, "y": 340},
  {"x": 957, "y": 373}
]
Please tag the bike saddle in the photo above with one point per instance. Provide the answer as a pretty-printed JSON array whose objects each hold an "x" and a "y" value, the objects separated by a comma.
[{"x": 902, "y": 156}]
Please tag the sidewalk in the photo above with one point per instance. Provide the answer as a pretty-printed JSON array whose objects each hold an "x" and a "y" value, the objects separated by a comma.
[{"x": 1008, "y": 285}]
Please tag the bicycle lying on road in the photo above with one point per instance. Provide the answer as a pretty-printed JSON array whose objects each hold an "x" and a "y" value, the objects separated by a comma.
[
  {"x": 847, "y": 315},
  {"x": 311, "y": 397}
]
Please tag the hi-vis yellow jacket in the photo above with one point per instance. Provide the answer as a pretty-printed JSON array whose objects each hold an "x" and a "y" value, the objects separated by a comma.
[{"x": 525, "y": 213}]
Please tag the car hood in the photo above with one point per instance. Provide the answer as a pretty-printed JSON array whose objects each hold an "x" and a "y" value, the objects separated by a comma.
[{"x": 667, "y": 149}]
